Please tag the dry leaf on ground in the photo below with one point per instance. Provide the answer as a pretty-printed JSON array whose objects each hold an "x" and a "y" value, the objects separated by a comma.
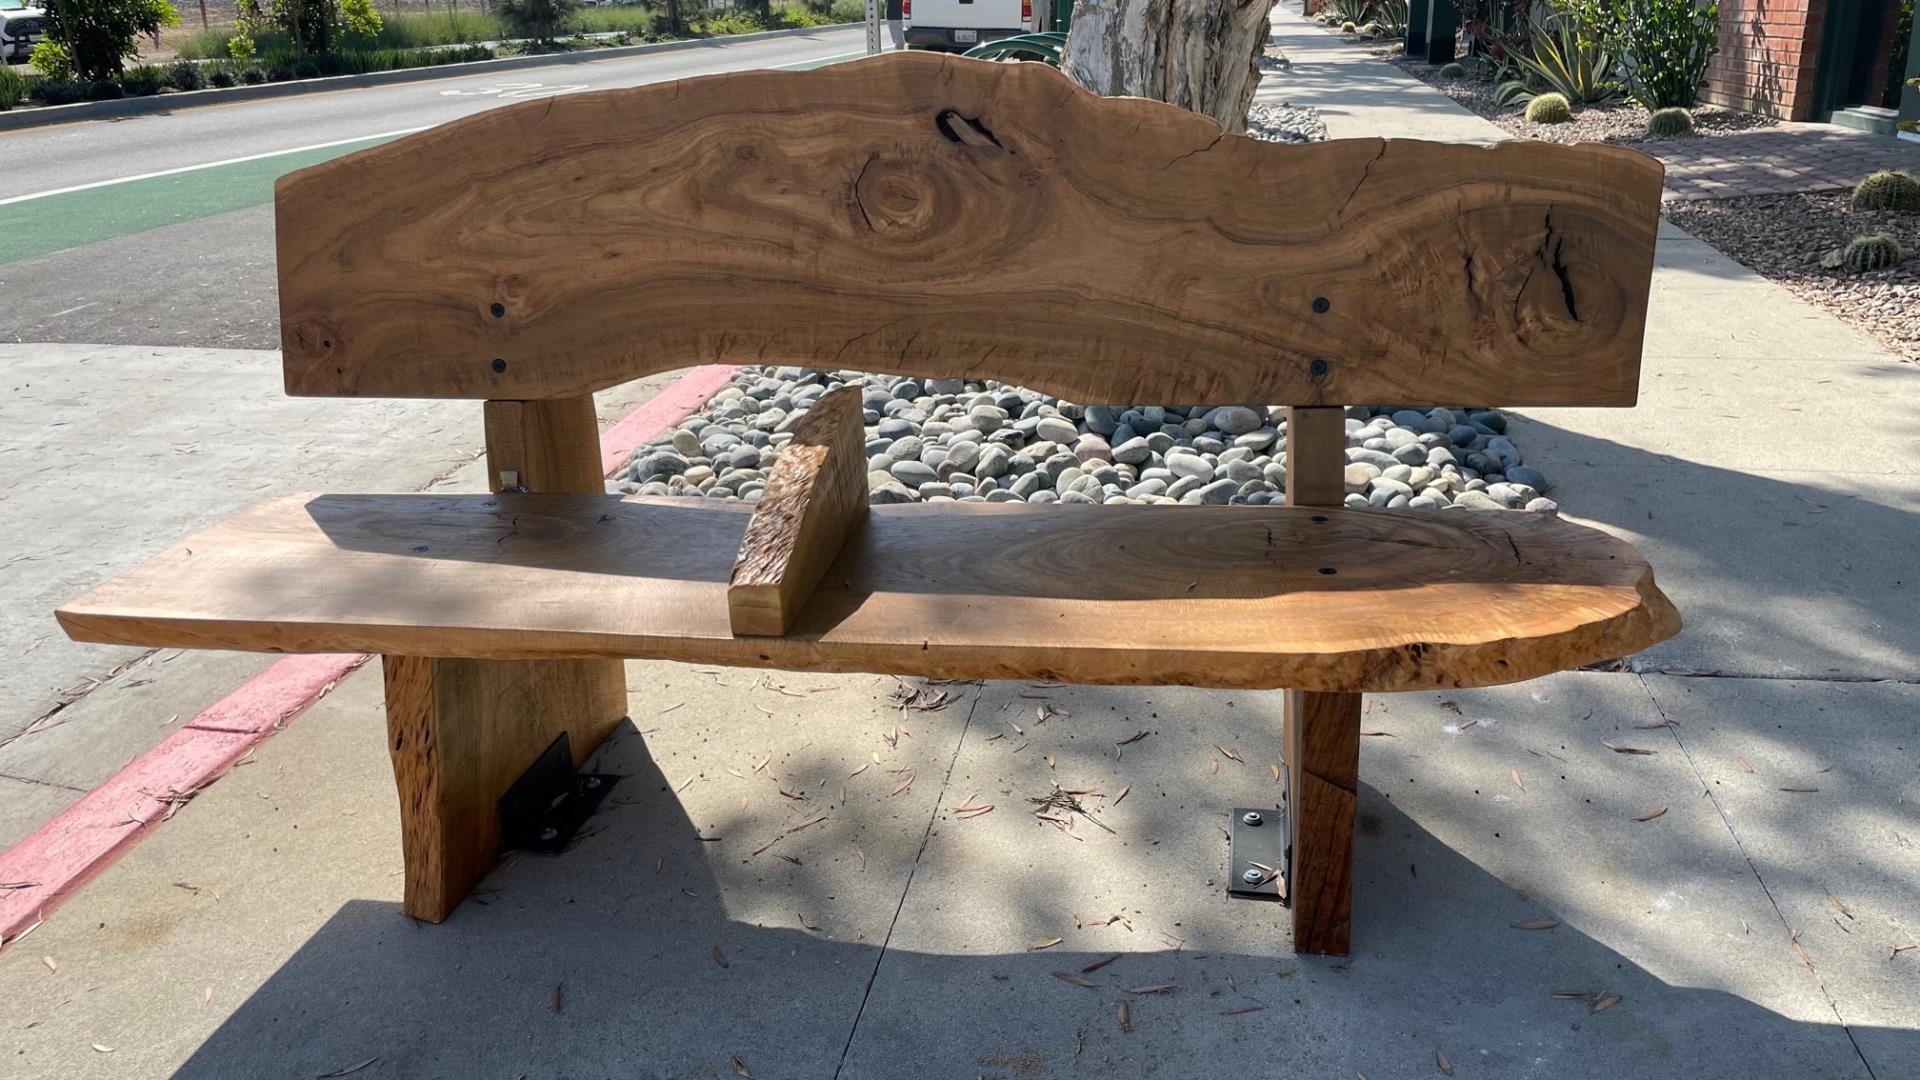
[
  {"x": 1125, "y": 1015},
  {"x": 1536, "y": 924},
  {"x": 1077, "y": 980},
  {"x": 1444, "y": 1063},
  {"x": 349, "y": 1070},
  {"x": 1651, "y": 814},
  {"x": 720, "y": 957},
  {"x": 1044, "y": 943},
  {"x": 741, "y": 1067},
  {"x": 1605, "y": 1002},
  {"x": 1098, "y": 964}
]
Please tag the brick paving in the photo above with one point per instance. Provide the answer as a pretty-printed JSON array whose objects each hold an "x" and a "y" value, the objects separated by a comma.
[{"x": 1777, "y": 160}]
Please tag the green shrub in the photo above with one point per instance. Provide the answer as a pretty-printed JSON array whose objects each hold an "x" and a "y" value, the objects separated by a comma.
[
  {"x": 1549, "y": 108},
  {"x": 13, "y": 87},
  {"x": 51, "y": 59},
  {"x": 102, "y": 90},
  {"x": 100, "y": 36},
  {"x": 1670, "y": 122},
  {"x": 1663, "y": 45},
  {"x": 1873, "y": 252},
  {"x": 144, "y": 80},
  {"x": 252, "y": 76},
  {"x": 850, "y": 10},
  {"x": 631, "y": 18},
  {"x": 59, "y": 92},
  {"x": 186, "y": 75},
  {"x": 1453, "y": 71},
  {"x": 222, "y": 77},
  {"x": 541, "y": 20},
  {"x": 1888, "y": 190},
  {"x": 1391, "y": 17}
]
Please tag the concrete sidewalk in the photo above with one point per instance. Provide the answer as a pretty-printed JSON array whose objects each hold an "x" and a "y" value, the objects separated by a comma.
[{"x": 1747, "y": 931}]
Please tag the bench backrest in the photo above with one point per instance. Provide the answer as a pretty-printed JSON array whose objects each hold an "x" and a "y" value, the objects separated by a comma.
[{"x": 941, "y": 217}]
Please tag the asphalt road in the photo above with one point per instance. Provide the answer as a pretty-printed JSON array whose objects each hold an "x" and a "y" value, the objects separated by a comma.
[{"x": 157, "y": 230}]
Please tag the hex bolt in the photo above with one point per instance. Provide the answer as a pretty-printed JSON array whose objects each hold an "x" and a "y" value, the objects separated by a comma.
[
  {"x": 1252, "y": 876},
  {"x": 1251, "y": 817},
  {"x": 549, "y": 833}
]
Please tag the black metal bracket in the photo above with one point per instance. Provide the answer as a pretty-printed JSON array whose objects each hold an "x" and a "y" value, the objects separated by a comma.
[
  {"x": 1258, "y": 856},
  {"x": 546, "y": 806}
]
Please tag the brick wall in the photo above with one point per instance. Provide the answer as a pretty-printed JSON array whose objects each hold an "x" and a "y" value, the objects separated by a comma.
[{"x": 1766, "y": 59}]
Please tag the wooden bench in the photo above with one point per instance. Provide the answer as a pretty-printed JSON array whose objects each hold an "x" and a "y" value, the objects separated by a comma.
[{"x": 933, "y": 217}]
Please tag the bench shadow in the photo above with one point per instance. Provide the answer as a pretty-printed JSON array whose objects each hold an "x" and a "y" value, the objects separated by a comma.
[{"x": 648, "y": 952}]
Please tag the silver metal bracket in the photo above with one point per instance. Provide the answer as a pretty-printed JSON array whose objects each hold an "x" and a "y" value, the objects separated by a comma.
[{"x": 1257, "y": 854}]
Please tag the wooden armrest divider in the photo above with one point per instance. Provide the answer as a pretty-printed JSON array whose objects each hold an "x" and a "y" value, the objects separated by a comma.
[{"x": 815, "y": 499}]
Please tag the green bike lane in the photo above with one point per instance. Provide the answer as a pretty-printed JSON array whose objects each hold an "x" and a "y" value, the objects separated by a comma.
[{"x": 40, "y": 224}]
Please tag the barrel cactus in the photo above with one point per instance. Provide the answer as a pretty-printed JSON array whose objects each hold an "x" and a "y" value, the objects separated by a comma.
[
  {"x": 1453, "y": 71},
  {"x": 1669, "y": 122},
  {"x": 1348, "y": 28},
  {"x": 1871, "y": 252},
  {"x": 1888, "y": 190},
  {"x": 1549, "y": 109}
]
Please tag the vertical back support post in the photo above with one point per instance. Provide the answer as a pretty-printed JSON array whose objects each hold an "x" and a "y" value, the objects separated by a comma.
[
  {"x": 462, "y": 731},
  {"x": 1322, "y": 731}
]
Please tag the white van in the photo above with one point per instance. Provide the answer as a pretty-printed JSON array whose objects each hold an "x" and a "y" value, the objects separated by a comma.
[{"x": 959, "y": 25}]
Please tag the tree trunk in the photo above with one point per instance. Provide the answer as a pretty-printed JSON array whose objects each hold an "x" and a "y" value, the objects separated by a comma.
[{"x": 1202, "y": 55}]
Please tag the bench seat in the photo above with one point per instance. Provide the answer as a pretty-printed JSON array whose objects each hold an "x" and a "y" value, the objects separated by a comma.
[{"x": 1241, "y": 597}]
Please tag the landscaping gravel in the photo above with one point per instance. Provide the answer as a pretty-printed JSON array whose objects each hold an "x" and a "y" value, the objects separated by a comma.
[
  {"x": 1286, "y": 122},
  {"x": 1784, "y": 237},
  {"x": 938, "y": 440},
  {"x": 1621, "y": 122}
]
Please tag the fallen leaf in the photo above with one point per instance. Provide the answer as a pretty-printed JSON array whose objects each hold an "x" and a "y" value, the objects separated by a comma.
[
  {"x": 1744, "y": 763},
  {"x": 1216, "y": 766},
  {"x": 904, "y": 785},
  {"x": 1515, "y": 774},
  {"x": 1077, "y": 980},
  {"x": 1044, "y": 943},
  {"x": 1800, "y": 790},
  {"x": 1379, "y": 735},
  {"x": 1229, "y": 753},
  {"x": 1896, "y": 950},
  {"x": 796, "y": 796},
  {"x": 1536, "y": 924},
  {"x": 1605, "y": 1002},
  {"x": 559, "y": 989},
  {"x": 769, "y": 843},
  {"x": 1238, "y": 1010},
  {"x": 1125, "y": 1015},
  {"x": 51, "y": 966},
  {"x": 741, "y": 1068},
  {"x": 206, "y": 996},
  {"x": 804, "y": 924},
  {"x": 1570, "y": 995},
  {"x": 1098, "y": 964},
  {"x": 349, "y": 1070},
  {"x": 809, "y": 823},
  {"x": 1122, "y": 795},
  {"x": 102, "y": 1048},
  {"x": 860, "y": 770},
  {"x": 1134, "y": 738},
  {"x": 1626, "y": 749},
  {"x": 1157, "y": 988},
  {"x": 1651, "y": 814},
  {"x": 1805, "y": 957},
  {"x": 720, "y": 957},
  {"x": 1440, "y": 1059}
]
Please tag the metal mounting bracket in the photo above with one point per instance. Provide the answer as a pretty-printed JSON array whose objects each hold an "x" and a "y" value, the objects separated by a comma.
[
  {"x": 1257, "y": 854},
  {"x": 546, "y": 806}
]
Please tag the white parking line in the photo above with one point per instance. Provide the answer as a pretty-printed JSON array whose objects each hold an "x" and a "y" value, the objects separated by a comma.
[
  {"x": 207, "y": 165},
  {"x": 821, "y": 62}
]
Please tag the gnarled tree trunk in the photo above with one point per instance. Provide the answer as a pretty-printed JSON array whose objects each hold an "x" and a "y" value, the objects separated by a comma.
[{"x": 1202, "y": 55}]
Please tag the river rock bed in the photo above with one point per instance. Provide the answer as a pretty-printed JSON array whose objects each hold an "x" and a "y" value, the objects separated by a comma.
[{"x": 936, "y": 440}]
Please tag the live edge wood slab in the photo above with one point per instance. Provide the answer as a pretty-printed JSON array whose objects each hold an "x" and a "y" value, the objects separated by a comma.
[{"x": 1296, "y": 597}]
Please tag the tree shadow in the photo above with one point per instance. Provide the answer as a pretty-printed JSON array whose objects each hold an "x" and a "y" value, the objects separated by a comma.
[{"x": 652, "y": 951}]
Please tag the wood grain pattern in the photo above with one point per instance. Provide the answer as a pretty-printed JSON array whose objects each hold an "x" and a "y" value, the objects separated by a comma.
[
  {"x": 550, "y": 445},
  {"x": 938, "y": 216},
  {"x": 816, "y": 497},
  {"x": 988, "y": 590},
  {"x": 1323, "y": 777},
  {"x": 1321, "y": 730},
  {"x": 460, "y": 732}
]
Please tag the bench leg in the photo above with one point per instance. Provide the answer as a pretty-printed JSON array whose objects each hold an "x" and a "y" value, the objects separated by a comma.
[
  {"x": 1323, "y": 769},
  {"x": 461, "y": 732}
]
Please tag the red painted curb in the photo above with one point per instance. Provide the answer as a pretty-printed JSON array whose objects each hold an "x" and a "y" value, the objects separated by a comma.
[{"x": 47, "y": 867}]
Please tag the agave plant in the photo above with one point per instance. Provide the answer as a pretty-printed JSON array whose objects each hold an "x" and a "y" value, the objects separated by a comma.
[
  {"x": 1042, "y": 47},
  {"x": 1563, "y": 60},
  {"x": 1391, "y": 17},
  {"x": 1350, "y": 11}
]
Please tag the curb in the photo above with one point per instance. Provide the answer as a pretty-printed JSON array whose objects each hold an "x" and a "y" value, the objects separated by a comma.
[
  {"x": 50, "y": 115},
  {"x": 57, "y": 859}
]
